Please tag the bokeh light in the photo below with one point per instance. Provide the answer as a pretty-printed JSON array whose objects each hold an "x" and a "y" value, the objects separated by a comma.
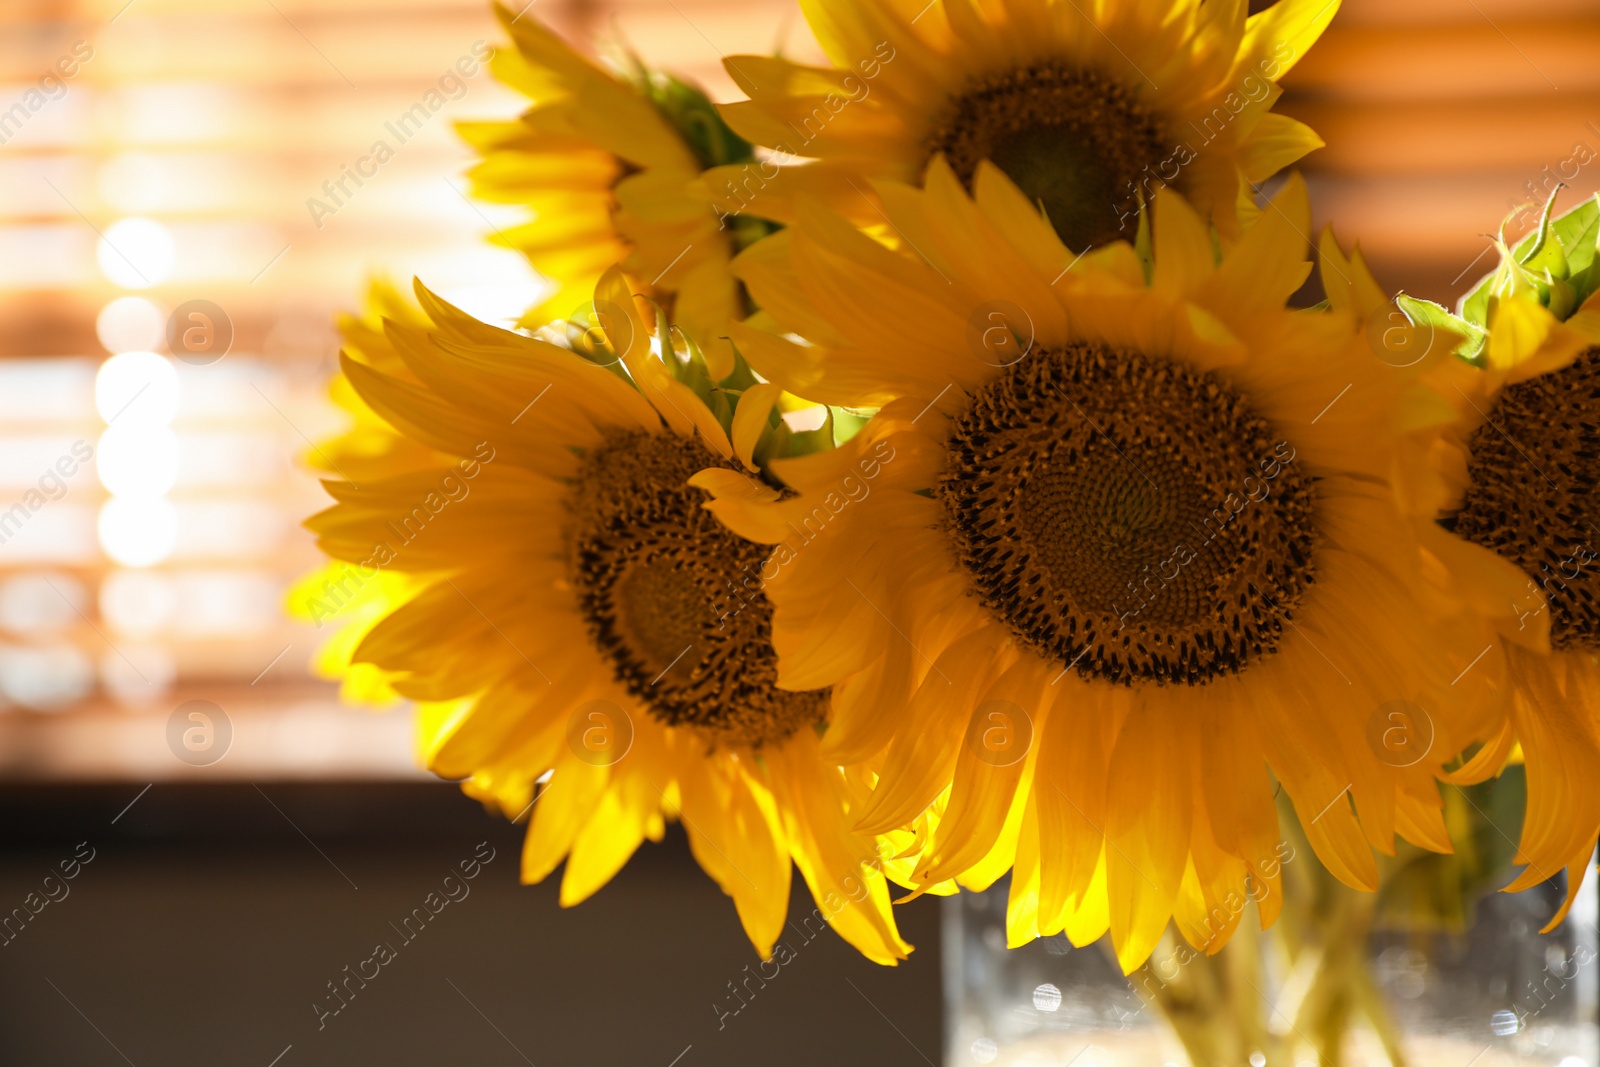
[
  {"x": 137, "y": 387},
  {"x": 136, "y": 253},
  {"x": 138, "y": 532},
  {"x": 129, "y": 323},
  {"x": 137, "y": 459}
]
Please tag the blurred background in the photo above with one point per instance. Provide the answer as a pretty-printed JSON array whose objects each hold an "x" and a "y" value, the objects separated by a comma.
[
  {"x": 1441, "y": 118},
  {"x": 149, "y": 511}
]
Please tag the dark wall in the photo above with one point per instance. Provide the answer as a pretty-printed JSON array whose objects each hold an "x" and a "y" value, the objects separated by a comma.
[{"x": 206, "y": 926}]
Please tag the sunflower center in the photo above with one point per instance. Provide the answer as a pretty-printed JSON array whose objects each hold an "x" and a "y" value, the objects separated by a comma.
[
  {"x": 673, "y": 599},
  {"x": 1531, "y": 478},
  {"x": 1071, "y": 139},
  {"x": 1128, "y": 517}
]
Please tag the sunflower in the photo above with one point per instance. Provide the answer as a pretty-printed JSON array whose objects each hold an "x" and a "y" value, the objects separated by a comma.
[
  {"x": 367, "y": 448},
  {"x": 1515, "y": 486},
  {"x": 610, "y": 168},
  {"x": 1088, "y": 107},
  {"x": 1125, "y": 534},
  {"x": 582, "y": 614}
]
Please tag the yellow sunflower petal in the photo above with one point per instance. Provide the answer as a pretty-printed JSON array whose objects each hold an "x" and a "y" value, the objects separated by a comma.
[{"x": 750, "y": 419}]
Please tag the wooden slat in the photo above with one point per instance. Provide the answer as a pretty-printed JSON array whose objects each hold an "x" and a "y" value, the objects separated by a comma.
[
  {"x": 1472, "y": 60},
  {"x": 1420, "y": 14},
  {"x": 1447, "y": 137}
]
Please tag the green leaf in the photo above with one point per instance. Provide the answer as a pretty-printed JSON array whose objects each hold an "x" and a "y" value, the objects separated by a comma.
[{"x": 1579, "y": 233}]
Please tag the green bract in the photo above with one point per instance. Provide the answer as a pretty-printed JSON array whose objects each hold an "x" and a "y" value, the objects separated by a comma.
[
  {"x": 1556, "y": 266},
  {"x": 587, "y": 335}
]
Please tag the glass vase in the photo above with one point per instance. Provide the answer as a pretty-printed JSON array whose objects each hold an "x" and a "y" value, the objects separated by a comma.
[{"x": 1335, "y": 983}]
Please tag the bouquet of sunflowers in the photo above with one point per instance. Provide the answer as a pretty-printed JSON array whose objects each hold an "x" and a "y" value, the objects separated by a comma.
[{"x": 918, "y": 474}]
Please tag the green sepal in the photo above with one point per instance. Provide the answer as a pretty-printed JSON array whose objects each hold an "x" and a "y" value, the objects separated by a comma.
[
  {"x": 741, "y": 377},
  {"x": 764, "y": 451},
  {"x": 586, "y": 338},
  {"x": 722, "y": 404},
  {"x": 1538, "y": 252},
  {"x": 847, "y": 423},
  {"x": 1427, "y": 313},
  {"x": 684, "y": 356},
  {"x": 1558, "y": 263},
  {"x": 769, "y": 446},
  {"x": 1474, "y": 307},
  {"x": 782, "y": 441},
  {"x": 687, "y": 361},
  {"x": 1562, "y": 301},
  {"x": 808, "y": 442},
  {"x": 695, "y": 117},
  {"x": 1143, "y": 245},
  {"x": 786, "y": 442},
  {"x": 774, "y": 444},
  {"x": 747, "y": 229}
]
